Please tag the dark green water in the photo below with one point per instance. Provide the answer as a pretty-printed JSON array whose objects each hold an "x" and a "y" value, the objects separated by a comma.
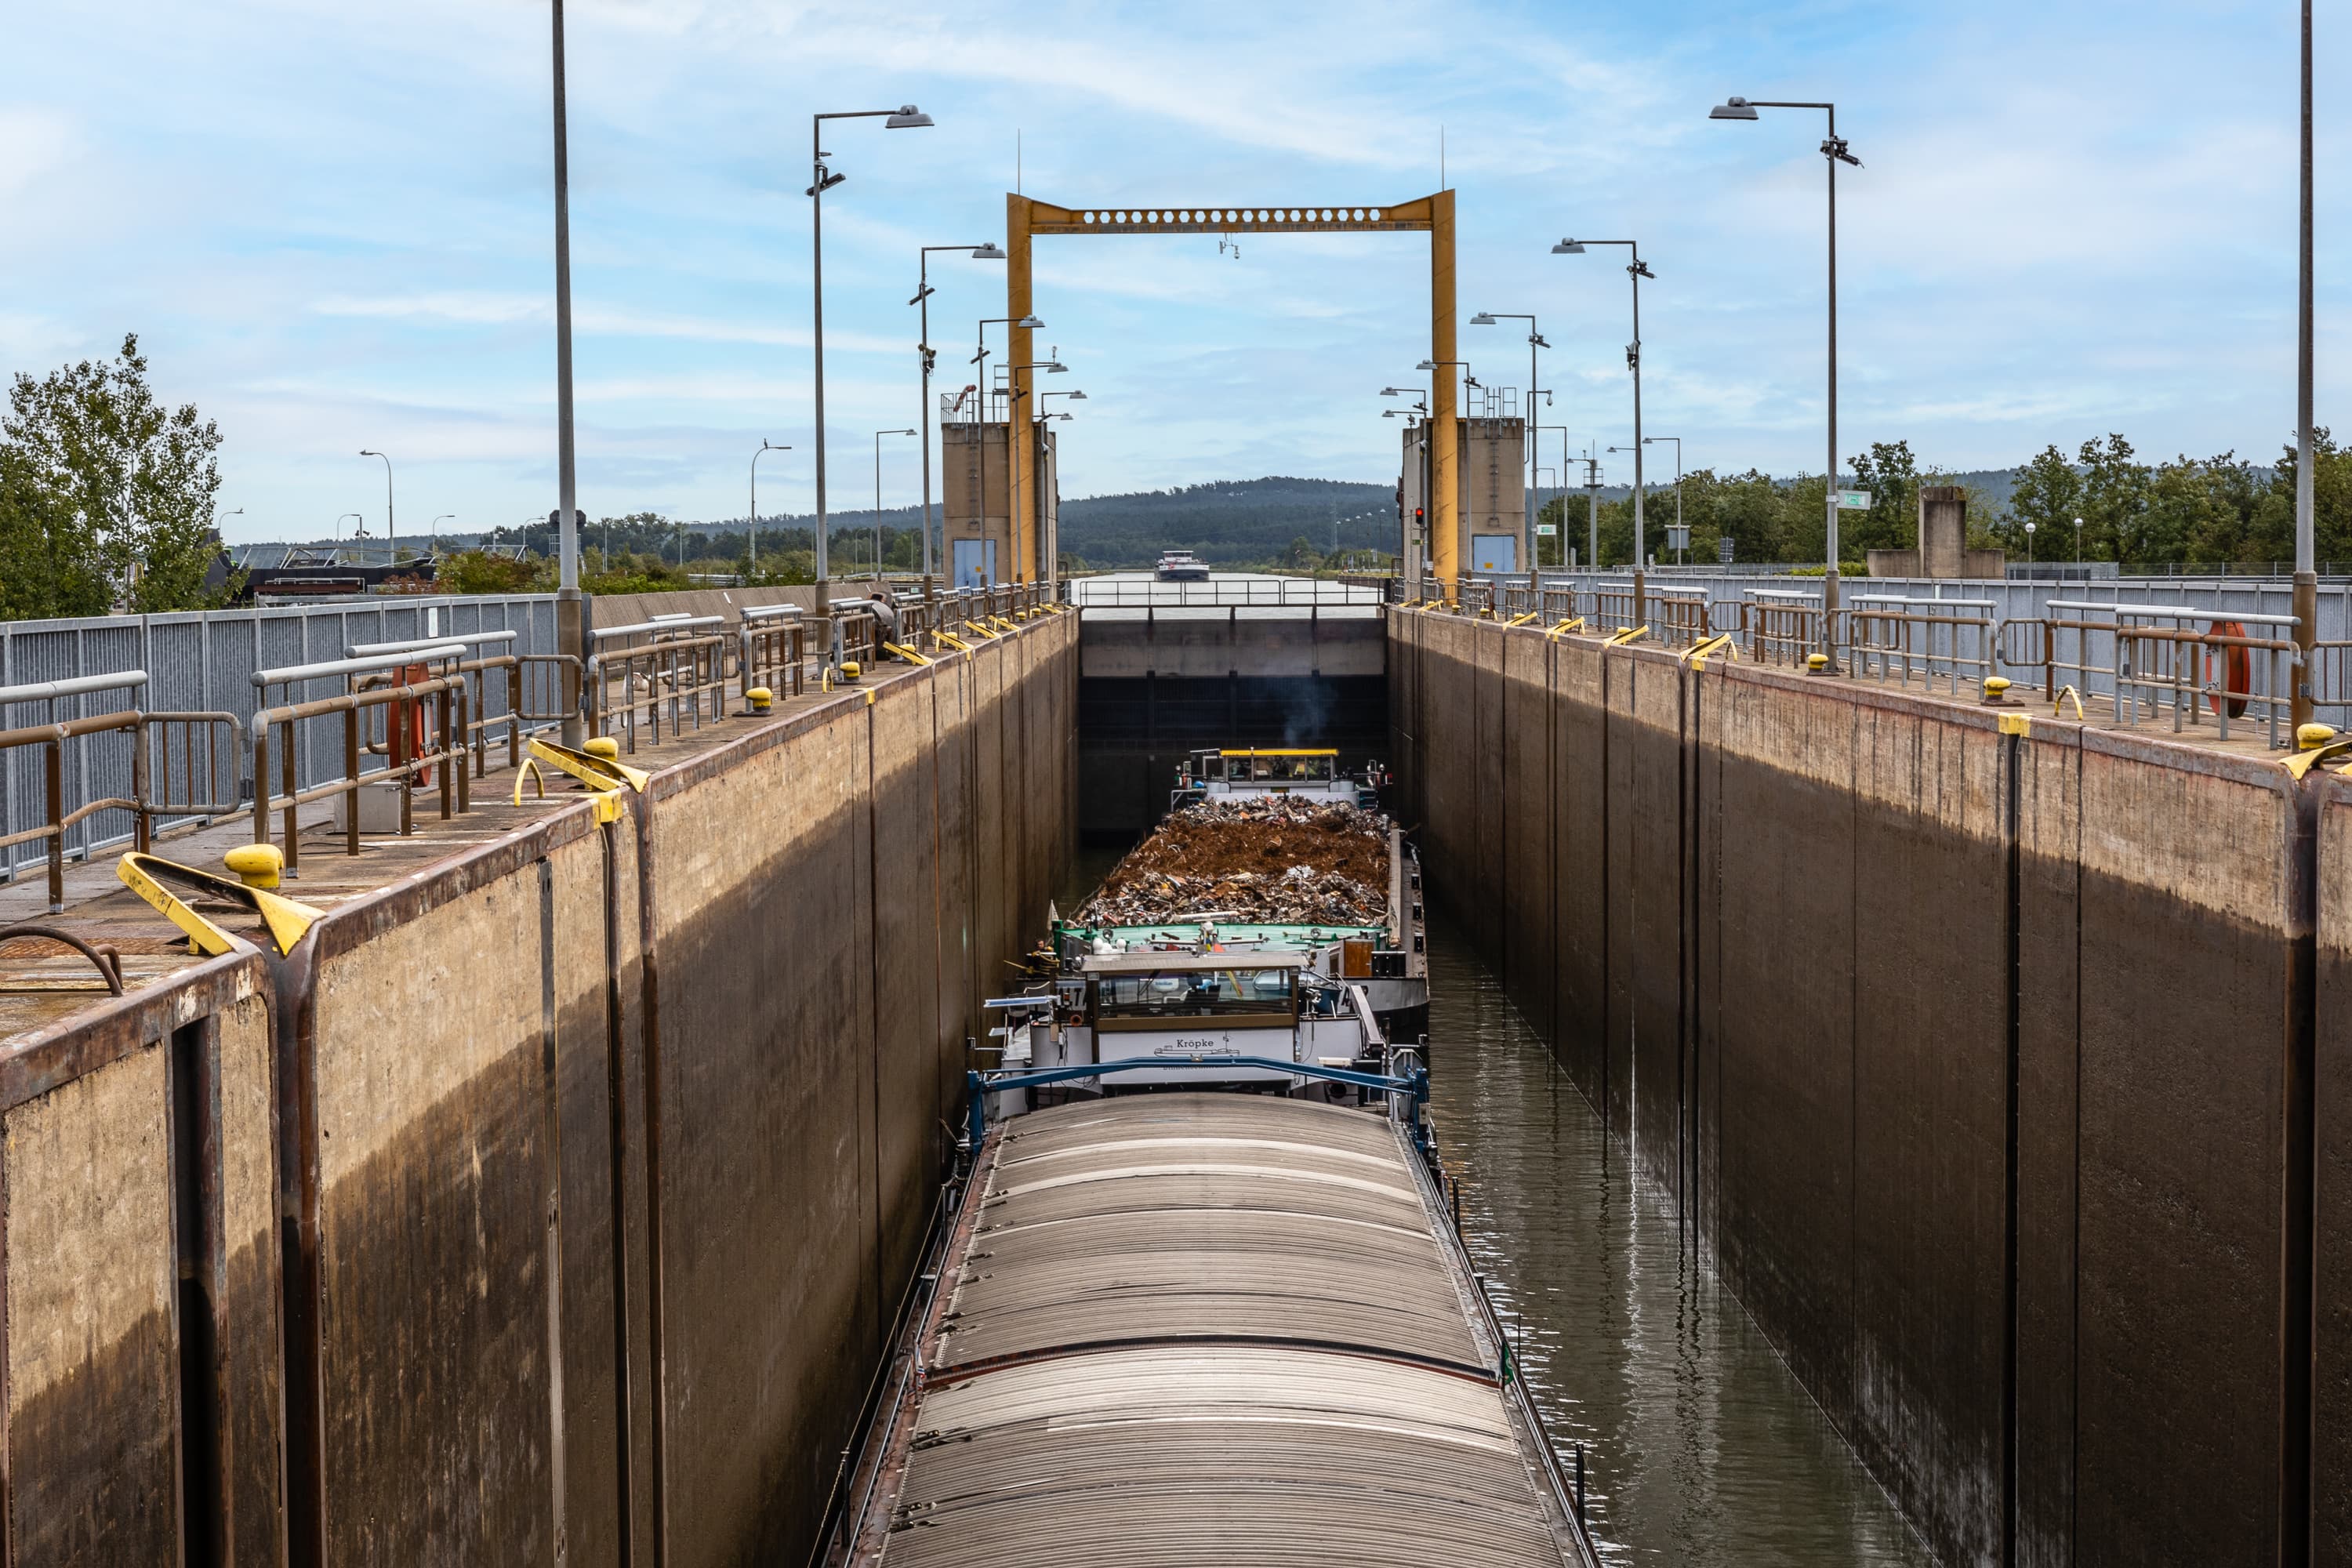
[{"x": 1700, "y": 1446}]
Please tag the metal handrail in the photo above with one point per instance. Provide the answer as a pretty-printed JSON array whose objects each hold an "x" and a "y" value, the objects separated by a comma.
[
  {"x": 1893, "y": 642},
  {"x": 413, "y": 644},
  {"x": 141, "y": 802},
  {"x": 683, "y": 671},
  {"x": 2159, "y": 668},
  {"x": 76, "y": 686},
  {"x": 452, "y": 692},
  {"x": 372, "y": 664}
]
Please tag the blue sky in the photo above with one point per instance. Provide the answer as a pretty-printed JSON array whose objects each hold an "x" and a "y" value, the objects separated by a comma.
[{"x": 330, "y": 226}]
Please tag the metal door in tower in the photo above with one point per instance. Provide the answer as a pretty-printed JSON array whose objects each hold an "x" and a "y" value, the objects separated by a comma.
[
  {"x": 1494, "y": 553},
  {"x": 974, "y": 562}
]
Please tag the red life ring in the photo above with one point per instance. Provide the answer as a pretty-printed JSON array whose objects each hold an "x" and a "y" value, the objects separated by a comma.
[
  {"x": 2239, "y": 664},
  {"x": 415, "y": 721}
]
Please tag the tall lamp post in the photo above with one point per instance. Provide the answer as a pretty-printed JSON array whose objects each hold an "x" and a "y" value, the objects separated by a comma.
[
  {"x": 1535, "y": 341},
  {"x": 929, "y": 356},
  {"x": 877, "y": 500},
  {"x": 1660, "y": 440},
  {"x": 1637, "y": 270},
  {"x": 753, "y": 528},
  {"x": 1561, "y": 474},
  {"x": 391, "y": 534},
  {"x": 2306, "y": 573},
  {"x": 1014, "y": 392},
  {"x": 433, "y": 541},
  {"x": 570, "y": 633},
  {"x": 1833, "y": 152},
  {"x": 906, "y": 117}
]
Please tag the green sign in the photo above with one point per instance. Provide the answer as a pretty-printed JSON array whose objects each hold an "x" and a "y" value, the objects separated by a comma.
[
  {"x": 1853, "y": 501},
  {"x": 1547, "y": 529}
]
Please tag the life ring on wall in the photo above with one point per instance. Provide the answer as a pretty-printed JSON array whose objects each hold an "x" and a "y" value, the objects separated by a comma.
[
  {"x": 2239, "y": 664},
  {"x": 416, "y": 719}
]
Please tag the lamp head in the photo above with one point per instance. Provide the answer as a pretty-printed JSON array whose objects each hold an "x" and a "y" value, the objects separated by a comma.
[
  {"x": 1077, "y": 397},
  {"x": 1568, "y": 247},
  {"x": 825, "y": 184},
  {"x": 1482, "y": 319},
  {"x": 1426, "y": 364},
  {"x": 1029, "y": 324},
  {"x": 909, "y": 117},
  {"x": 1734, "y": 108},
  {"x": 988, "y": 253}
]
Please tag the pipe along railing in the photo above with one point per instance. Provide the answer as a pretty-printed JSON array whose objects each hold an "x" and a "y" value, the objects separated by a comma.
[{"x": 151, "y": 778}]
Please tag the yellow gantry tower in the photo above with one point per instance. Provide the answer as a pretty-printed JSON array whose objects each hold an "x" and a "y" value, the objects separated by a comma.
[{"x": 1025, "y": 218}]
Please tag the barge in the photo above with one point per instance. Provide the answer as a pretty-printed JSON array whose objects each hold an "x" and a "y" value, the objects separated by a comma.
[
  {"x": 1182, "y": 567},
  {"x": 1202, "y": 1329}
]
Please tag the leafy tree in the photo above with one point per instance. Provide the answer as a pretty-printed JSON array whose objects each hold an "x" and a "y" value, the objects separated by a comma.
[
  {"x": 2114, "y": 502},
  {"x": 1892, "y": 477},
  {"x": 478, "y": 571},
  {"x": 2049, "y": 495},
  {"x": 122, "y": 488}
]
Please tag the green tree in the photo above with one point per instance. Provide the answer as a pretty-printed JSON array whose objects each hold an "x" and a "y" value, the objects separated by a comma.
[
  {"x": 122, "y": 488},
  {"x": 2049, "y": 495},
  {"x": 2331, "y": 502},
  {"x": 1892, "y": 477},
  {"x": 2114, "y": 502}
]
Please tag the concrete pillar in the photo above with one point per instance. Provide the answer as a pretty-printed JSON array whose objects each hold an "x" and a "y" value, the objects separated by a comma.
[{"x": 1943, "y": 531}]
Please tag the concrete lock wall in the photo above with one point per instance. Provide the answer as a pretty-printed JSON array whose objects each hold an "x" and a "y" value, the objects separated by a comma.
[
  {"x": 746, "y": 1002},
  {"x": 1991, "y": 1069}
]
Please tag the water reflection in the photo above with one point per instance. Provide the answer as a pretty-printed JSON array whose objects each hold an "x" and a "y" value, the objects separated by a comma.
[{"x": 1700, "y": 1446}]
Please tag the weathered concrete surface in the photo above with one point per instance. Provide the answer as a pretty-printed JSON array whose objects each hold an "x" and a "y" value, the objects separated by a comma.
[
  {"x": 1983, "y": 1063},
  {"x": 96, "y": 1314},
  {"x": 660, "y": 1099}
]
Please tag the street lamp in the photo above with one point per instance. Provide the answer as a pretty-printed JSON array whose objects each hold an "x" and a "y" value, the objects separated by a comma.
[
  {"x": 1655, "y": 440},
  {"x": 391, "y": 534},
  {"x": 906, "y": 117},
  {"x": 877, "y": 500},
  {"x": 433, "y": 538},
  {"x": 570, "y": 635},
  {"x": 2306, "y": 574},
  {"x": 1535, "y": 341},
  {"x": 1026, "y": 323},
  {"x": 1014, "y": 392},
  {"x": 2029, "y": 547},
  {"x": 1561, "y": 474},
  {"x": 766, "y": 447},
  {"x": 1637, "y": 270},
  {"x": 2078, "y": 541},
  {"x": 929, "y": 356},
  {"x": 358, "y": 526},
  {"x": 1833, "y": 152}
]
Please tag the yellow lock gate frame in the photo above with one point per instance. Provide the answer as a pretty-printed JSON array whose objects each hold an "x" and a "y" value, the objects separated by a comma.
[{"x": 1025, "y": 218}]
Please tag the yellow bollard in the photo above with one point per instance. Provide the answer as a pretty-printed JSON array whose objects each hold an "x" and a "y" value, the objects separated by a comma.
[
  {"x": 850, "y": 670},
  {"x": 759, "y": 697},
  {"x": 256, "y": 864},
  {"x": 603, "y": 746}
]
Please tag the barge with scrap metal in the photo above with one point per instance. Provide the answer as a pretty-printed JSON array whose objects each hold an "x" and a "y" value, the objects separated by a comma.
[
  {"x": 1198, "y": 1295},
  {"x": 1207, "y": 1328},
  {"x": 1275, "y": 885}
]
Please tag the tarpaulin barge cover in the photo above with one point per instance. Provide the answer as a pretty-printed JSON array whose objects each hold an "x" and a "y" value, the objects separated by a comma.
[{"x": 1207, "y": 1328}]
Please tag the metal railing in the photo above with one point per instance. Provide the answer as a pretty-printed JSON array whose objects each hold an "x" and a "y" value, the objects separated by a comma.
[
  {"x": 148, "y": 765},
  {"x": 771, "y": 649},
  {"x": 1241, "y": 590},
  {"x": 1893, "y": 636},
  {"x": 678, "y": 661},
  {"x": 1779, "y": 625},
  {"x": 412, "y": 748},
  {"x": 516, "y": 692},
  {"x": 2141, "y": 666}
]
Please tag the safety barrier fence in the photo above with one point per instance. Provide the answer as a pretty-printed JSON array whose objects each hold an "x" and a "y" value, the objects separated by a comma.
[
  {"x": 2146, "y": 665},
  {"x": 424, "y": 697},
  {"x": 1892, "y": 636},
  {"x": 144, "y": 746}
]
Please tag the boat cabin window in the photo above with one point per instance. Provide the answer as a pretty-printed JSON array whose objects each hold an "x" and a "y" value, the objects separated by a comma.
[
  {"x": 1192, "y": 993},
  {"x": 1290, "y": 770}
]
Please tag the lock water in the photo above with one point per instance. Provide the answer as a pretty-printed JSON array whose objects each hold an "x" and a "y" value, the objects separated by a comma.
[{"x": 1700, "y": 1446}]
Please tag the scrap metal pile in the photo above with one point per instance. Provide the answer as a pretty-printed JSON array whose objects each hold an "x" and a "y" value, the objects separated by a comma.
[{"x": 1279, "y": 860}]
